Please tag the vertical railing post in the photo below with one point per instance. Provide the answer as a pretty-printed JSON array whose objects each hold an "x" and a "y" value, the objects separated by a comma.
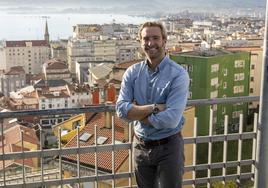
[
  {"x": 210, "y": 147},
  {"x": 239, "y": 152},
  {"x": 254, "y": 143},
  {"x": 78, "y": 154},
  {"x": 130, "y": 170},
  {"x": 96, "y": 157},
  {"x": 23, "y": 162},
  {"x": 194, "y": 151},
  {"x": 3, "y": 150},
  {"x": 60, "y": 160},
  {"x": 262, "y": 180},
  {"x": 113, "y": 152},
  {"x": 225, "y": 146},
  {"x": 42, "y": 158}
]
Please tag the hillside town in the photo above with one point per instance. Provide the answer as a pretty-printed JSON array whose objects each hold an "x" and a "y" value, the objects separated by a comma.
[{"x": 86, "y": 70}]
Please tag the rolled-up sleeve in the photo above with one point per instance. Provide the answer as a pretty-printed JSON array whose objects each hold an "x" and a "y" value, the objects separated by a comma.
[
  {"x": 175, "y": 104},
  {"x": 125, "y": 98}
]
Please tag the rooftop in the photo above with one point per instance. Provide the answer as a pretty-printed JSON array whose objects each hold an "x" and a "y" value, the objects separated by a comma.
[{"x": 24, "y": 43}]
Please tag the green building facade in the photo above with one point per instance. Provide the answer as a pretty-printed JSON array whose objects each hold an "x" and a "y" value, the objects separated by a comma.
[{"x": 217, "y": 73}]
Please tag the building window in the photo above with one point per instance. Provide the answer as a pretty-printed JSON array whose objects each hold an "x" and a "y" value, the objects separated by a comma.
[
  {"x": 225, "y": 71},
  {"x": 239, "y": 76},
  {"x": 236, "y": 114},
  {"x": 251, "y": 90},
  {"x": 214, "y": 94},
  {"x": 223, "y": 110},
  {"x": 50, "y": 106},
  {"x": 224, "y": 85},
  {"x": 252, "y": 79},
  {"x": 215, "y": 68},
  {"x": 239, "y": 64},
  {"x": 43, "y": 106},
  {"x": 191, "y": 82},
  {"x": 252, "y": 67},
  {"x": 45, "y": 122},
  {"x": 214, "y": 81},
  {"x": 17, "y": 83},
  {"x": 214, "y": 107},
  {"x": 238, "y": 89},
  {"x": 76, "y": 124},
  {"x": 189, "y": 95},
  {"x": 214, "y": 120},
  {"x": 191, "y": 68}
]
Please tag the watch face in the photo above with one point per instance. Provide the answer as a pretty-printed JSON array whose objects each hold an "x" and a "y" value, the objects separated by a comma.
[{"x": 155, "y": 110}]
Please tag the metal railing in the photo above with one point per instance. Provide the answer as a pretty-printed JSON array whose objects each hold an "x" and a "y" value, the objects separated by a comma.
[{"x": 48, "y": 177}]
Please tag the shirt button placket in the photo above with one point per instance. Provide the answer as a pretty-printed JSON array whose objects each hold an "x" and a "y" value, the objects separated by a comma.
[{"x": 150, "y": 91}]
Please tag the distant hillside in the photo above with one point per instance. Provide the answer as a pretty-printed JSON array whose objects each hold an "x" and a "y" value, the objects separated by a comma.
[{"x": 129, "y": 5}]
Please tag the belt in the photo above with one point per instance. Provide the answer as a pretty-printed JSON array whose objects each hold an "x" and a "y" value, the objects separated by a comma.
[{"x": 156, "y": 142}]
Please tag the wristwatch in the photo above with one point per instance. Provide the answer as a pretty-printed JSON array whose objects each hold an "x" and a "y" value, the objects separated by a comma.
[{"x": 155, "y": 109}]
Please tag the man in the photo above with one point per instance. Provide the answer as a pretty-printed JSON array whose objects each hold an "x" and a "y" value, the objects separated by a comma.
[{"x": 153, "y": 95}]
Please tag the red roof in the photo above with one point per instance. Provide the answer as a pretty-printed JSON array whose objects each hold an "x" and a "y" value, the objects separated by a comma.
[
  {"x": 22, "y": 43},
  {"x": 14, "y": 148},
  {"x": 127, "y": 64},
  {"x": 104, "y": 158},
  {"x": 13, "y": 135},
  {"x": 56, "y": 64},
  {"x": 16, "y": 70}
]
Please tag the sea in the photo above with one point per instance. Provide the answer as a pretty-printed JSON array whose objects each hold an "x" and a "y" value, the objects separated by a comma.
[{"x": 32, "y": 27}]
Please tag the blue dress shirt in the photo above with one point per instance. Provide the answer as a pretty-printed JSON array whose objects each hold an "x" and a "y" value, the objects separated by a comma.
[{"x": 168, "y": 84}]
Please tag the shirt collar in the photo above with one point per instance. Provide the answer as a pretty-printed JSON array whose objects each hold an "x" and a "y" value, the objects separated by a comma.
[{"x": 160, "y": 66}]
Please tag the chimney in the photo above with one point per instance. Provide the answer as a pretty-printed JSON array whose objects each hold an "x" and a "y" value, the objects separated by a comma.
[
  {"x": 108, "y": 120},
  {"x": 95, "y": 96},
  {"x": 108, "y": 117},
  {"x": 111, "y": 92}
]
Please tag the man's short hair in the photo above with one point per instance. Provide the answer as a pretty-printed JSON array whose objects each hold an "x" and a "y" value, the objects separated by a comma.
[{"x": 154, "y": 24}]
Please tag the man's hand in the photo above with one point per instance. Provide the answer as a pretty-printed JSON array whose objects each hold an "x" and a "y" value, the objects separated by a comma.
[{"x": 161, "y": 107}]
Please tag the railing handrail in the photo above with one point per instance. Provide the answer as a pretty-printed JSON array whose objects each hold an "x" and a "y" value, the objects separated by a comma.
[{"x": 109, "y": 107}]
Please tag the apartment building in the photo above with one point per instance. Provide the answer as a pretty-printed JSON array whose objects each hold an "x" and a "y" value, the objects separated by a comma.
[
  {"x": 256, "y": 62},
  {"x": 105, "y": 49},
  {"x": 79, "y": 50},
  {"x": 12, "y": 79},
  {"x": 59, "y": 50},
  {"x": 55, "y": 69},
  {"x": 24, "y": 99},
  {"x": 30, "y": 54},
  {"x": 217, "y": 74}
]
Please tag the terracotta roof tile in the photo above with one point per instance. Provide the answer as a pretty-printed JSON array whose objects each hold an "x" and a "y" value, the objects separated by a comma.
[{"x": 104, "y": 158}]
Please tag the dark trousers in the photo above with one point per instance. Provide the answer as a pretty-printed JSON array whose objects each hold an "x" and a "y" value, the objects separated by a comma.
[{"x": 159, "y": 166}]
